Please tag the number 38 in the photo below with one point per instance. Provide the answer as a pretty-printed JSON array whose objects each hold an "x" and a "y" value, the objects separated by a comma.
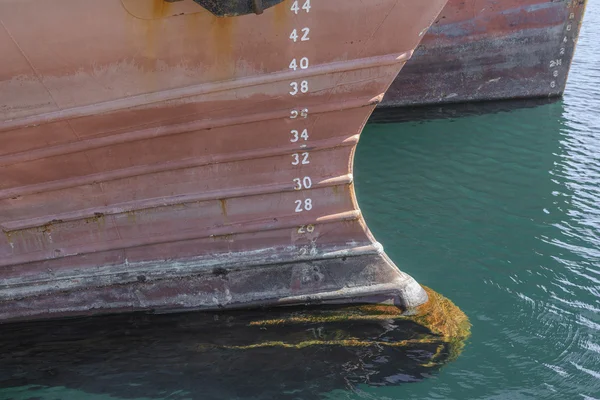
[{"x": 302, "y": 88}]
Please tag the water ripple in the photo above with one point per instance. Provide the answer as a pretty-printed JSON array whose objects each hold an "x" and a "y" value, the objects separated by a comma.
[{"x": 502, "y": 213}]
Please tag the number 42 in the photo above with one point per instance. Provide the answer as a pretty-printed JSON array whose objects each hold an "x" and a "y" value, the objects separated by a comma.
[{"x": 296, "y": 7}]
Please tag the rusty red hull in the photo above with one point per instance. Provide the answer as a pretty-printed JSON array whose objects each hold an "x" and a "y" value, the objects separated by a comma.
[
  {"x": 479, "y": 50},
  {"x": 155, "y": 157}
]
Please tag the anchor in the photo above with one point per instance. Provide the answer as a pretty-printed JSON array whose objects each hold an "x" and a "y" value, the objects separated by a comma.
[{"x": 234, "y": 8}]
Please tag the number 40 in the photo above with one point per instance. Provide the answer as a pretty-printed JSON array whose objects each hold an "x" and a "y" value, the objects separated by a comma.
[
  {"x": 303, "y": 63},
  {"x": 296, "y": 6}
]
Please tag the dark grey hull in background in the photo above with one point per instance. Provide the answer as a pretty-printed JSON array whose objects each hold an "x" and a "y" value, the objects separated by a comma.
[{"x": 481, "y": 50}]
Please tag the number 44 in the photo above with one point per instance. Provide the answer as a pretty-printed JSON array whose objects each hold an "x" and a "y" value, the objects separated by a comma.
[{"x": 296, "y": 6}]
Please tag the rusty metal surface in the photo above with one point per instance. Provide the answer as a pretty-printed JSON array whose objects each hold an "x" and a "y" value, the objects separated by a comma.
[
  {"x": 156, "y": 157},
  {"x": 481, "y": 50}
]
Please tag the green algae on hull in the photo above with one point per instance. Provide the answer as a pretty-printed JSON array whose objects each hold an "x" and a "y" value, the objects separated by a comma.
[
  {"x": 440, "y": 315},
  {"x": 443, "y": 322},
  {"x": 205, "y": 354}
]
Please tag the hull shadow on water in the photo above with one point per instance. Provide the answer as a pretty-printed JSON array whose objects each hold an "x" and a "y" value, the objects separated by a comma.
[
  {"x": 286, "y": 353},
  {"x": 386, "y": 115}
]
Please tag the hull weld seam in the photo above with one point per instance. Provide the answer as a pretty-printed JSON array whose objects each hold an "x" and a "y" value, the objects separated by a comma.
[
  {"x": 11, "y": 227},
  {"x": 168, "y": 130},
  {"x": 132, "y": 172},
  {"x": 286, "y": 222},
  {"x": 202, "y": 89}
]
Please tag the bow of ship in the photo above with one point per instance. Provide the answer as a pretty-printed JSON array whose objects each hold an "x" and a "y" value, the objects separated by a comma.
[{"x": 155, "y": 156}]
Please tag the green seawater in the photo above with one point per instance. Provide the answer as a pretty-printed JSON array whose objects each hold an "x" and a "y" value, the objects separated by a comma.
[{"x": 499, "y": 212}]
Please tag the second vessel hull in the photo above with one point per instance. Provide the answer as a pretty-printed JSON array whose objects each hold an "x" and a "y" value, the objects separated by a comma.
[{"x": 481, "y": 50}]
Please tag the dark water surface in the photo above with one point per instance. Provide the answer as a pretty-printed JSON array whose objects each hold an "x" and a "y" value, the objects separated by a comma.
[{"x": 499, "y": 212}]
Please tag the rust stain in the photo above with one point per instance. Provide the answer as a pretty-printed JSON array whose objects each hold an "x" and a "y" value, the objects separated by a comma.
[
  {"x": 228, "y": 236},
  {"x": 193, "y": 24},
  {"x": 161, "y": 9},
  {"x": 353, "y": 194},
  {"x": 9, "y": 236},
  {"x": 97, "y": 218},
  {"x": 131, "y": 217},
  {"x": 157, "y": 8},
  {"x": 223, "y": 43},
  {"x": 152, "y": 29},
  {"x": 46, "y": 228},
  {"x": 223, "y": 204},
  {"x": 280, "y": 16},
  {"x": 149, "y": 52}
]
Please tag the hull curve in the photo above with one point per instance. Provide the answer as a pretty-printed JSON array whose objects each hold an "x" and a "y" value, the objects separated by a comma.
[{"x": 164, "y": 159}]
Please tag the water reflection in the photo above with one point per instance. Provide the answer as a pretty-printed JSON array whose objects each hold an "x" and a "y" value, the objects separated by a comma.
[
  {"x": 278, "y": 354},
  {"x": 501, "y": 212}
]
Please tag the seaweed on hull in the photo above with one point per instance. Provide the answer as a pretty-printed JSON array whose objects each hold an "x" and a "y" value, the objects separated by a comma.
[{"x": 284, "y": 353}]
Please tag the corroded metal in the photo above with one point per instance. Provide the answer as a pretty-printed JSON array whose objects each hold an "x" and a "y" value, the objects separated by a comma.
[
  {"x": 154, "y": 157},
  {"x": 480, "y": 50}
]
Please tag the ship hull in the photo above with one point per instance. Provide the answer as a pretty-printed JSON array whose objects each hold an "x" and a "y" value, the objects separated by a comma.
[
  {"x": 175, "y": 160},
  {"x": 482, "y": 50}
]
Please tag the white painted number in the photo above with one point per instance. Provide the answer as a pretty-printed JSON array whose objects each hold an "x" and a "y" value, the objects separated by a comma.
[
  {"x": 303, "y": 206},
  {"x": 300, "y": 87},
  {"x": 297, "y": 135},
  {"x": 303, "y": 63},
  {"x": 304, "y": 38},
  {"x": 302, "y": 113},
  {"x": 300, "y": 159},
  {"x": 296, "y": 6},
  {"x": 305, "y": 250},
  {"x": 295, "y": 89},
  {"x": 306, "y": 228},
  {"x": 304, "y": 183},
  {"x": 304, "y": 86},
  {"x": 306, "y": 6}
]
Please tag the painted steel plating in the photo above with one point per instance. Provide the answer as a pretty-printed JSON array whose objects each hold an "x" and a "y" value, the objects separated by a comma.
[{"x": 176, "y": 160}]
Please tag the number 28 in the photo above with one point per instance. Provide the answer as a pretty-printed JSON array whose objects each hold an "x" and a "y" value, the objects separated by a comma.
[{"x": 303, "y": 206}]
